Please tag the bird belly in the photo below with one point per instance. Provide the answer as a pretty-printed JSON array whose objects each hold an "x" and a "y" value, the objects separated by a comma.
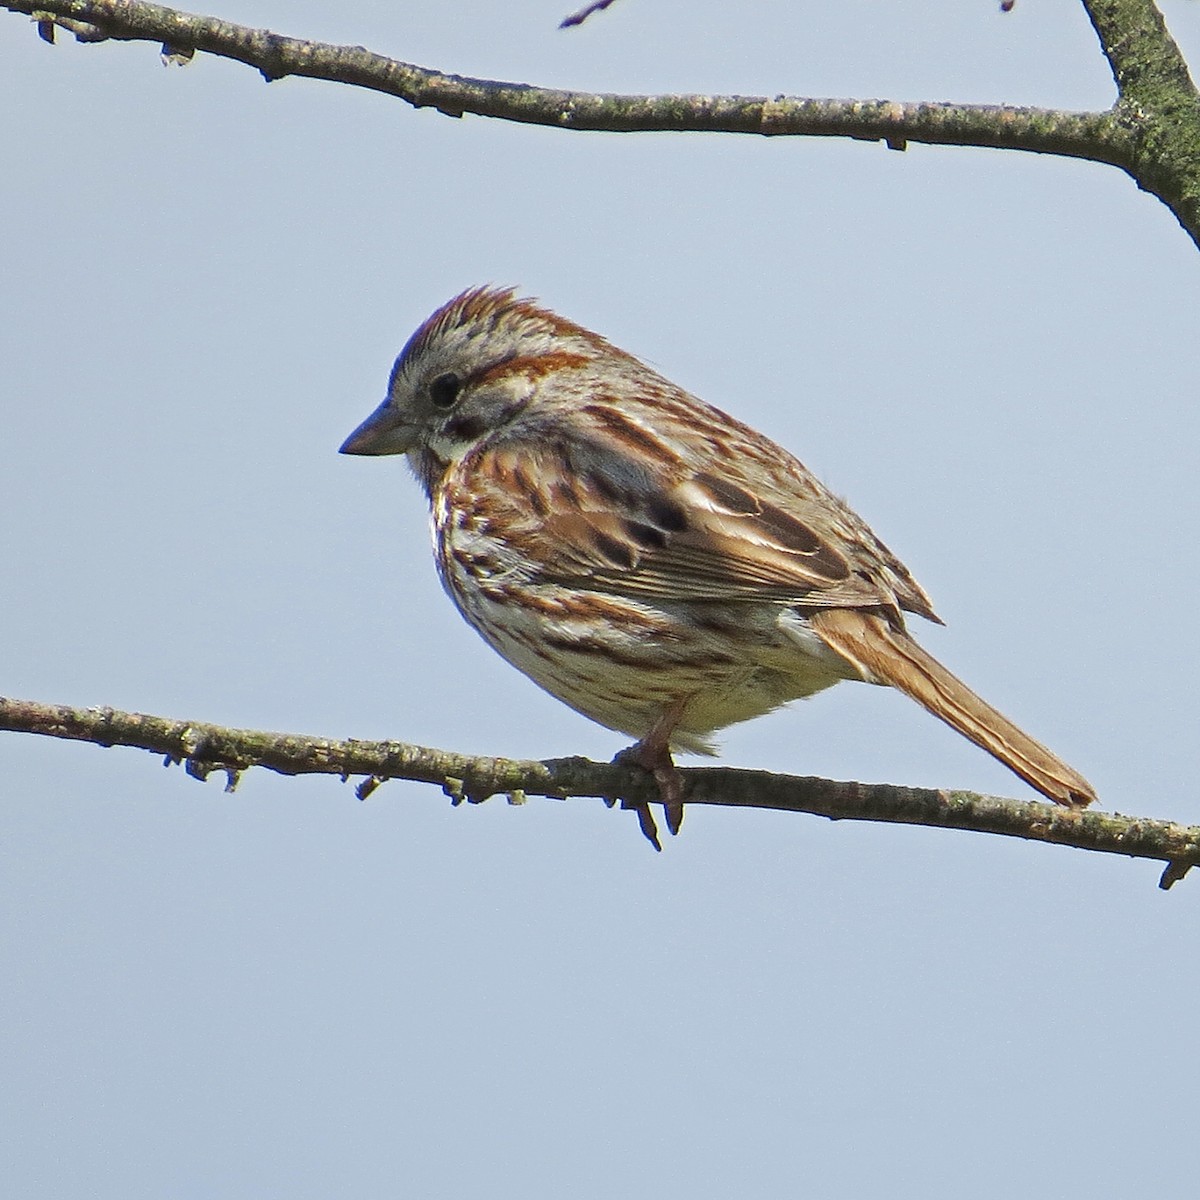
[{"x": 621, "y": 661}]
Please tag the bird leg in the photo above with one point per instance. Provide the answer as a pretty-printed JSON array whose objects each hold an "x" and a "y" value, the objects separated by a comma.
[{"x": 653, "y": 753}]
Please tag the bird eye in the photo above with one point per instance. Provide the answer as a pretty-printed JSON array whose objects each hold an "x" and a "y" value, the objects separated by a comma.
[{"x": 443, "y": 391}]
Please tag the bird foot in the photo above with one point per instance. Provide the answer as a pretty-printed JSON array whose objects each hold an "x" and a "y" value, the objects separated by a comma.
[{"x": 657, "y": 760}]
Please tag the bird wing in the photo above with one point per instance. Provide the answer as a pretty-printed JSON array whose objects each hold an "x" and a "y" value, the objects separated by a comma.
[{"x": 596, "y": 515}]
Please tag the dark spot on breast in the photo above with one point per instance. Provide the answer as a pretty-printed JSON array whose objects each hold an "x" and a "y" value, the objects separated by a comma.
[
  {"x": 729, "y": 495},
  {"x": 616, "y": 551},
  {"x": 479, "y": 565},
  {"x": 573, "y": 645},
  {"x": 649, "y": 536}
]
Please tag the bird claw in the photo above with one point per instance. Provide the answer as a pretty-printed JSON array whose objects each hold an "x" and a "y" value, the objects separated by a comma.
[
  {"x": 656, "y": 759},
  {"x": 646, "y": 822}
]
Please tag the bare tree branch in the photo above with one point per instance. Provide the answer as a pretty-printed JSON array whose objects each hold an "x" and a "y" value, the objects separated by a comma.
[
  {"x": 1157, "y": 102},
  {"x": 204, "y": 748},
  {"x": 1152, "y": 132}
]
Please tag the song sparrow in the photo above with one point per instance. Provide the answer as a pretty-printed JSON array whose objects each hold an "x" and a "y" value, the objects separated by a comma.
[{"x": 646, "y": 558}]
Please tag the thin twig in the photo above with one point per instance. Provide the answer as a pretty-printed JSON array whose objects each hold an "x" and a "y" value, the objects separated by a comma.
[
  {"x": 578, "y": 18},
  {"x": 1152, "y": 132},
  {"x": 1098, "y": 136},
  {"x": 205, "y": 748}
]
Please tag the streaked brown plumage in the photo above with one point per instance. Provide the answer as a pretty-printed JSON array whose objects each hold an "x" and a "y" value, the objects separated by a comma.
[{"x": 649, "y": 560}]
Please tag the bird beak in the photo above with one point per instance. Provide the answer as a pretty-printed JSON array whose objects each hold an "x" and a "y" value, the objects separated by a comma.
[{"x": 384, "y": 432}]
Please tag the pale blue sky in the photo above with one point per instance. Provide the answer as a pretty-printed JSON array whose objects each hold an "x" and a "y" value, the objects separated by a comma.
[{"x": 286, "y": 993}]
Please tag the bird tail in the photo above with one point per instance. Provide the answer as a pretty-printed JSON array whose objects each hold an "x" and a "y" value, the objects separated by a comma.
[{"x": 885, "y": 654}]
